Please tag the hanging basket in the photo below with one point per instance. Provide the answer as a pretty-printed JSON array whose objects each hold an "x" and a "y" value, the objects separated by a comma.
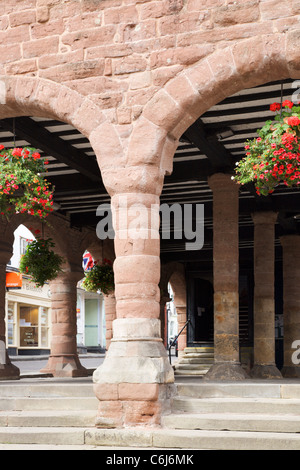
[
  {"x": 23, "y": 189},
  {"x": 41, "y": 262},
  {"x": 274, "y": 156},
  {"x": 100, "y": 278}
]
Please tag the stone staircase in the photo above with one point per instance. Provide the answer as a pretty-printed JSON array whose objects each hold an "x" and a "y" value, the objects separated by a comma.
[
  {"x": 244, "y": 415},
  {"x": 60, "y": 414},
  {"x": 43, "y": 412},
  {"x": 196, "y": 361}
]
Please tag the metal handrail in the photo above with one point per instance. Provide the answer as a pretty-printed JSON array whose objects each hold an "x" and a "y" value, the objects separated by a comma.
[{"x": 176, "y": 338}]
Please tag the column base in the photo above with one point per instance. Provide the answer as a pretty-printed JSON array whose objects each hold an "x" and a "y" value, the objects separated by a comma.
[
  {"x": 135, "y": 383},
  {"x": 265, "y": 371},
  {"x": 65, "y": 366},
  {"x": 226, "y": 371},
  {"x": 292, "y": 372},
  {"x": 8, "y": 371},
  {"x": 132, "y": 404}
]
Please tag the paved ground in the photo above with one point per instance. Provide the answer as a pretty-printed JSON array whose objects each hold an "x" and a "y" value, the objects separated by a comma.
[{"x": 33, "y": 364}]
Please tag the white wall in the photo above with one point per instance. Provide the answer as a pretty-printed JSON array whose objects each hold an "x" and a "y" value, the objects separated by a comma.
[{"x": 21, "y": 232}]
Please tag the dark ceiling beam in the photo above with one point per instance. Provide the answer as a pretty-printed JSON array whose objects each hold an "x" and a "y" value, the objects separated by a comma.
[
  {"x": 220, "y": 159},
  {"x": 75, "y": 184},
  {"x": 191, "y": 170},
  {"x": 287, "y": 224},
  {"x": 39, "y": 137}
]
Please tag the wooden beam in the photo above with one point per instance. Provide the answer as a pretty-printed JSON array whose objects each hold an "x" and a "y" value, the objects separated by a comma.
[
  {"x": 219, "y": 157},
  {"x": 75, "y": 184},
  {"x": 39, "y": 137}
]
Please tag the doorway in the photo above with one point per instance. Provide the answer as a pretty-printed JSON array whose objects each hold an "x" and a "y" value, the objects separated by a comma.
[{"x": 200, "y": 311}]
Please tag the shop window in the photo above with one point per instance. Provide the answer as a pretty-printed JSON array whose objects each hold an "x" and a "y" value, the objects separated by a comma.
[
  {"x": 24, "y": 242},
  {"x": 29, "y": 330},
  {"x": 11, "y": 324}
]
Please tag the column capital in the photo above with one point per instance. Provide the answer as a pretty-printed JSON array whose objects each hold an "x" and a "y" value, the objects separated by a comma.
[
  {"x": 222, "y": 182},
  {"x": 141, "y": 179},
  {"x": 290, "y": 240},
  {"x": 264, "y": 217}
]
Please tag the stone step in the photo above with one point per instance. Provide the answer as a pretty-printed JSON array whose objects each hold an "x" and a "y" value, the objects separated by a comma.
[
  {"x": 196, "y": 360},
  {"x": 48, "y": 447},
  {"x": 247, "y": 389},
  {"x": 46, "y": 389},
  {"x": 234, "y": 422},
  {"x": 181, "y": 366},
  {"x": 193, "y": 439},
  {"x": 236, "y": 405},
  {"x": 39, "y": 435},
  {"x": 45, "y": 403},
  {"x": 47, "y": 418},
  {"x": 204, "y": 349},
  {"x": 228, "y": 440},
  {"x": 189, "y": 372}
]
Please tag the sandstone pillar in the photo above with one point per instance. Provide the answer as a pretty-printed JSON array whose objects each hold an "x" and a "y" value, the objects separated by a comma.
[
  {"x": 264, "y": 300},
  {"x": 110, "y": 316},
  {"x": 291, "y": 305},
  {"x": 226, "y": 279},
  {"x": 7, "y": 370},
  {"x": 134, "y": 382},
  {"x": 63, "y": 360}
]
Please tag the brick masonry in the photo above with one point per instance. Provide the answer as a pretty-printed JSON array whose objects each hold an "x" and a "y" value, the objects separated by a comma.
[
  {"x": 132, "y": 76},
  {"x": 142, "y": 64}
]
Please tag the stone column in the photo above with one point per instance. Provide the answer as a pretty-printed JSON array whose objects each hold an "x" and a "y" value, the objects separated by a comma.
[
  {"x": 7, "y": 370},
  {"x": 291, "y": 304},
  {"x": 63, "y": 360},
  {"x": 110, "y": 316},
  {"x": 226, "y": 279},
  {"x": 264, "y": 301},
  {"x": 134, "y": 382}
]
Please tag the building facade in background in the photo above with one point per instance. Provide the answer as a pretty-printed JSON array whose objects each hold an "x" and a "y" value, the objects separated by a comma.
[{"x": 28, "y": 310}]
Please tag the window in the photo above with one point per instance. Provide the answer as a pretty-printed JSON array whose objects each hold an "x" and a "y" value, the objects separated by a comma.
[
  {"x": 34, "y": 327},
  {"x": 11, "y": 324},
  {"x": 24, "y": 242},
  {"x": 29, "y": 331}
]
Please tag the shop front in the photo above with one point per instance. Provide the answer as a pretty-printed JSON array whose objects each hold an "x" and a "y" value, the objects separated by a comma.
[
  {"x": 28, "y": 311},
  {"x": 90, "y": 321}
]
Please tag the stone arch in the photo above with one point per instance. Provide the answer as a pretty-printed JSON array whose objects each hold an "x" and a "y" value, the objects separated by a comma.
[
  {"x": 58, "y": 229},
  {"x": 24, "y": 96},
  {"x": 243, "y": 64}
]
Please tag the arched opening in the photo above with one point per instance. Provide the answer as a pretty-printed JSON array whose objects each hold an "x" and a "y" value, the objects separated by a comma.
[
  {"x": 28, "y": 307},
  {"x": 211, "y": 145},
  {"x": 44, "y": 115}
]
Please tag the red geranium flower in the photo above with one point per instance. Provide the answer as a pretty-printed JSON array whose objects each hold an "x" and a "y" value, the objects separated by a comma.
[
  {"x": 287, "y": 103},
  {"x": 275, "y": 107},
  {"x": 293, "y": 121}
]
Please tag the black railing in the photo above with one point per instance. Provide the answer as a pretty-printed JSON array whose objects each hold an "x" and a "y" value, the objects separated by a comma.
[{"x": 174, "y": 342}]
